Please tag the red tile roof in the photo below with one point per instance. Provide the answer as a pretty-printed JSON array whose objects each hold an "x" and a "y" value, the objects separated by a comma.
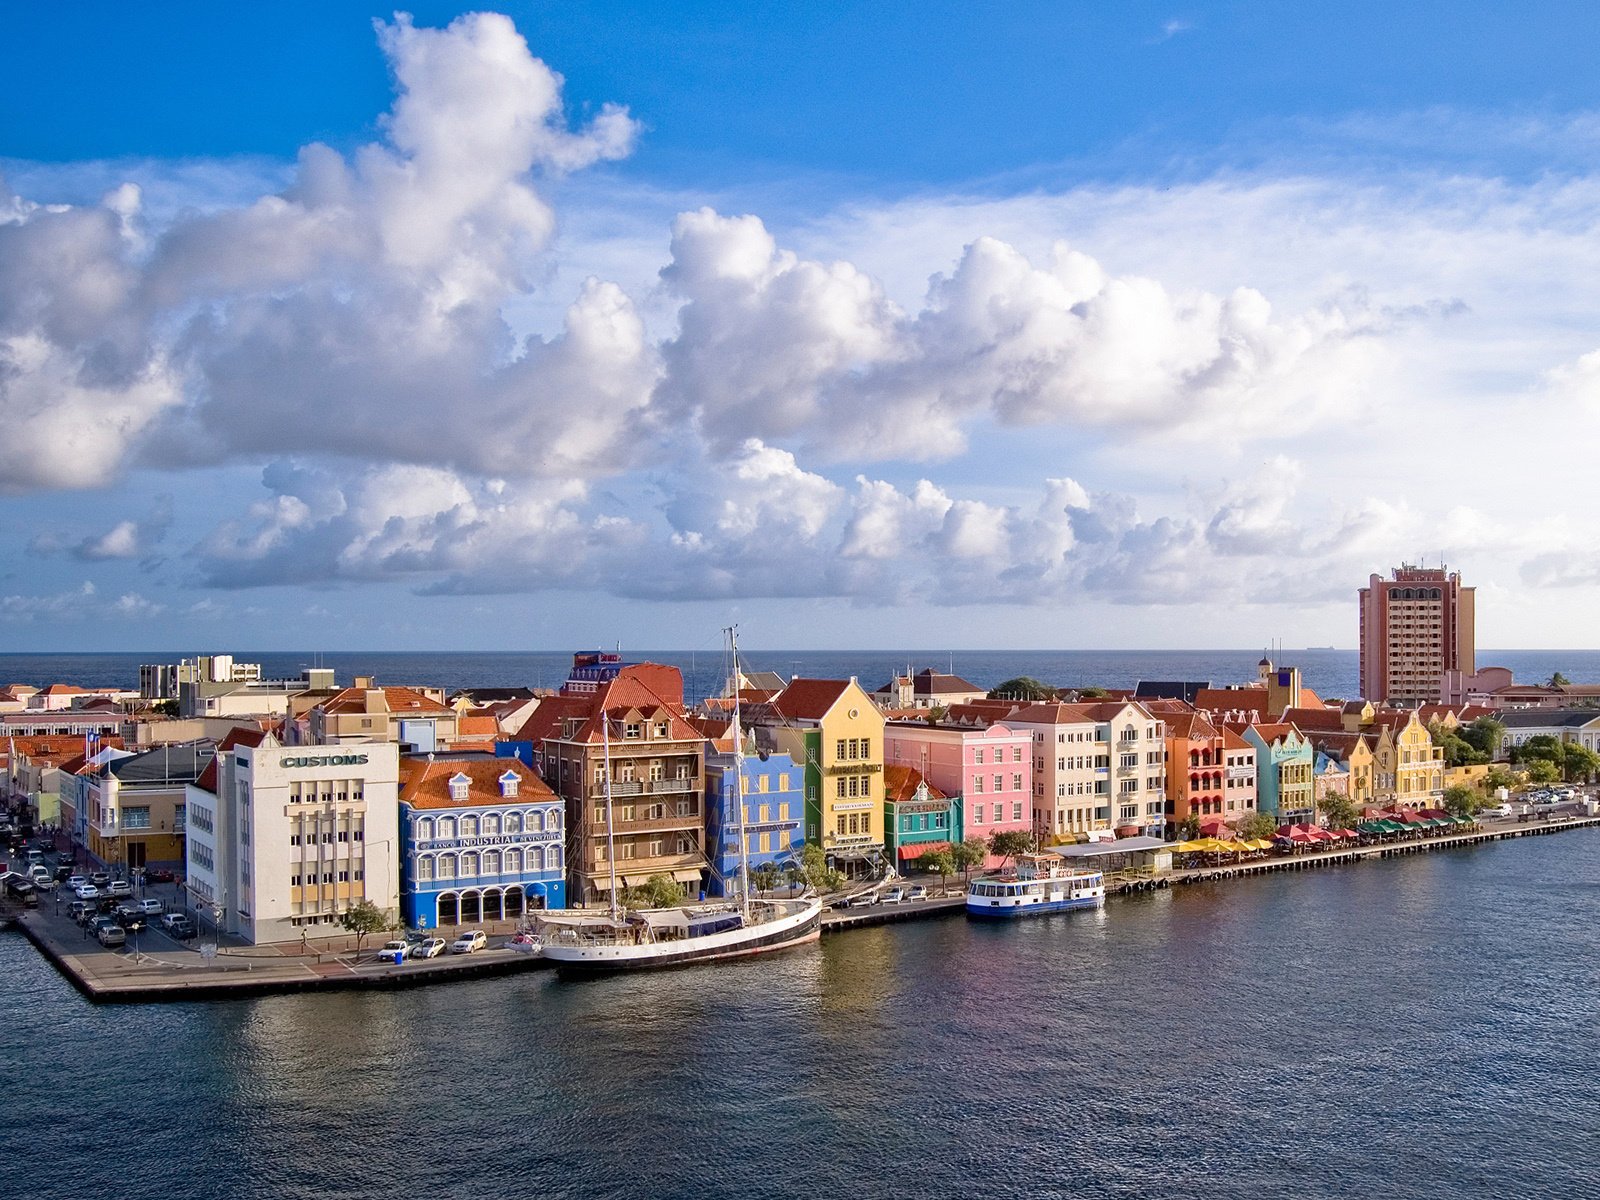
[
  {"x": 403, "y": 700},
  {"x": 426, "y": 784},
  {"x": 901, "y": 783},
  {"x": 809, "y": 699},
  {"x": 630, "y": 692}
]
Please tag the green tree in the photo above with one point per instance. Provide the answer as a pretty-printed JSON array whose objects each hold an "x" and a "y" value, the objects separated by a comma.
[
  {"x": 973, "y": 852},
  {"x": 1092, "y": 693},
  {"x": 1256, "y": 825},
  {"x": 937, "y": 713},
  {"x": 1541, "y": 746},
  {"x": 363, "y": 918},
  {"x": 764, "y": 876},
  {"x": 659, "y": 891},
  {"x": 1008, "y": 843},
  {"x": 1542, "y": 770},
  {"x": 1578, "y": 763},
  {"x": 1483, "y": 735},
  {"x": 1188, "y": 829},
  {"x": 815, "y": 872},
  {"x": 1023, "y": 687},
  {"x": 1558, "y": 680},
  {"x": 941, "y": 862},
  {"x": 1462, "y": 801},
  {"x": 1498, "y": 777},
  {"x": 1337, "y": 810}
]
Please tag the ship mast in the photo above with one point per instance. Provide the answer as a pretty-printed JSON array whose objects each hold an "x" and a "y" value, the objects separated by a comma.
[
  {"x": 611, "y": 839},
  {"x": 738, "y": 776}
]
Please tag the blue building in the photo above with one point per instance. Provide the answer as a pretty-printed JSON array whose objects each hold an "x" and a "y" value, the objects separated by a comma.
[
  {"x": 481, "y": 839},
  {"x": 774, "y": 809}
]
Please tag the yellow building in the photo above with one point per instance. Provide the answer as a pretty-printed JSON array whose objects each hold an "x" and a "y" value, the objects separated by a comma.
[
  {"x": 1354, "y": 753},
  {"x": 1410, "y": 767},
  {"x": 832, "y": 727}
]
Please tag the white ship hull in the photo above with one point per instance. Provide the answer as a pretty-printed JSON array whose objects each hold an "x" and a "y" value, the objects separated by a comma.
[{"x": 797, "y": 922}]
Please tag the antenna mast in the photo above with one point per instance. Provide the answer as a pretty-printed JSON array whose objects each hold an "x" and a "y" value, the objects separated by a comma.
[{"x": 738, "y": 776}]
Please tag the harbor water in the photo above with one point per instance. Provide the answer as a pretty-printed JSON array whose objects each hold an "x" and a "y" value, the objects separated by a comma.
[{"x": 1417, "y": 1027}]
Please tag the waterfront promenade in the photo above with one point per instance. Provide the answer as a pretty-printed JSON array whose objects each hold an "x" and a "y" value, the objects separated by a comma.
[{"x": 164, "y": 970}]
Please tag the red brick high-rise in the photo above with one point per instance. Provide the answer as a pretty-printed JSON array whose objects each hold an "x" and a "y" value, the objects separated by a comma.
[{"x": 1415, "y": 626}]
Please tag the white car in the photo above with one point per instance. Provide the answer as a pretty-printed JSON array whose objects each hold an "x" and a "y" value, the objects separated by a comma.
[
  {"x": 74, "y": 882},
  {"x": 86, "y": 891},
  {"x": 894, "y": 895},
  {"x": 119, "y": 887},
  {"x": 470, "y": 941},
  {"x": 429, "y": 948},
  {"x": 394, "y": 952},
  {"x": 1496, "y": 812}
]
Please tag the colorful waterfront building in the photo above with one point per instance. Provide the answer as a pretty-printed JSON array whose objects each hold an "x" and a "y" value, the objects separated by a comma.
[
  {"x": 634, "y": 718},
  {"x": 1352, "y": 752},
  {"x": 131, "y": 809},
  {"x": 985, "y": 769},
  {"x": 774, "y": 814},
  {"x": 1239, "y": 770},
  {"x": 1197, "y": 775},
  {"x": 1284, "y": 761},
  {"x": 1410, "y": 767},
  {"x": 917, "y": 816},
  {"x": 481, "y": 839}
]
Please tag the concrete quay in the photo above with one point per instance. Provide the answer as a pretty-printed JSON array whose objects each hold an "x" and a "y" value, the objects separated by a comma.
[{"x": 166, "y": 970}]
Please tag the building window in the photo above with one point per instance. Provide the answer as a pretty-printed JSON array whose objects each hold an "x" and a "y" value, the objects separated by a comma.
[
  {"x": 460, "y": 784},
  {"x": 1016, "y": 783},
  {"x": 633, "y": 730}
]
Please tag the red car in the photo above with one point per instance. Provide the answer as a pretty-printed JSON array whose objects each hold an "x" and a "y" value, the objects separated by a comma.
[{"x": 158, "y": 875}]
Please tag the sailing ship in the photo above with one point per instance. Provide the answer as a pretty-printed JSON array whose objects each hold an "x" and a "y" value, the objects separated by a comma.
[{"x": 638, "y": 940}]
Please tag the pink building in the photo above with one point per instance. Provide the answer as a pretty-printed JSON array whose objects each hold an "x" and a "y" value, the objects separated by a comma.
[{"x": 989, "y": 770}]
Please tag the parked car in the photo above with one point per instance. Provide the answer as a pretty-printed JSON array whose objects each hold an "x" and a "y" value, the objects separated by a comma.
[
  {"x": 79, "y": 910},
  {"x": 119, "y": 887},
  {"x": 111, "y": 936},
  {"x": 77, "y": 881},
  {"x": 429, "y": 948},
  {"x": 894, "y": 895},
  {"x": 469, "y": 942},
  {"x": 86, "y": 891},
  {"x": 151, "y": 907},
  {"x": 159, "y": 875},
  {"x": 394, "y": 952},
  {"x": 99, "y": 879},
  {"x": 63, "y": 873},
  {"x": 1496, "y": 812},
  {"x": 179, "y": 925},
  {"x": 917, "y": 892},
  {"x": 102, "y": 921}
]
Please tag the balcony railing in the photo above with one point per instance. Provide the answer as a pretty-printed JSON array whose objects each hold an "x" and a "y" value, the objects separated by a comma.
[
  {"x": 652, "y": 787},
  {"x": 668, "y": 822}
]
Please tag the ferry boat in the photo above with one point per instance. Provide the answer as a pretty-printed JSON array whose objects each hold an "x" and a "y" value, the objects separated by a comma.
[{"x": 1041, "y": 883}]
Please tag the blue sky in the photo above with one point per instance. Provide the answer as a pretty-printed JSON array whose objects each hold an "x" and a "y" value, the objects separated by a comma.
[{"x": 1070, "y": 324}]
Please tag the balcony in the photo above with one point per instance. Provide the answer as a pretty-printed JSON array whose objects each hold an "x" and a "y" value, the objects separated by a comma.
[
  {"x": 662, "y": 824},
  {"x": 653, "y": 787}
]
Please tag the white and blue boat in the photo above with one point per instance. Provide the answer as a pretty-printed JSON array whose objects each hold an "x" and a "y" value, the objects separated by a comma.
[{"x": 1042, "y": 883}]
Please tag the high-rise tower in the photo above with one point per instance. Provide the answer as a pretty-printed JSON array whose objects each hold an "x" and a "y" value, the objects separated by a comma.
[{"x": 1415, "y": 627}]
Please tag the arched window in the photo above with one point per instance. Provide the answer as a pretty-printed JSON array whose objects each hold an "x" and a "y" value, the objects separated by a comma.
[
  {"x": 424, "y": 867},
  {"x": 552, "y": 858},
  {"x": 449, "y": 908},
  {"x": 447, "y": 866},
  {"x": 469, "y": 827},
  {"x": 491, "y": 825},
  {"x": 513, "y": 861},
  {"x": 460, "y": 785},
  {"x": 513, "y": 822},
  {"x": 554, "y": 823},
  {"x": 535, "y": 820},
  {"x": 469, "y": 865},
  {"x": 424, "y": 830},
  {"x": 491, "y": 862},
  {"x": 447, "y": 827}
]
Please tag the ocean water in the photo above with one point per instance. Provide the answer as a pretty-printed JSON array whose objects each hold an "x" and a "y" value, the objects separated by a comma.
[
  {"x": 1329, "y": 672},
  {"x": 1417, "y": 1028}
]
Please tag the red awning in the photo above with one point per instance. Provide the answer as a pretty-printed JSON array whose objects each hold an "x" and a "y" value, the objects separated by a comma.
[{"x": 920, "y": 848}]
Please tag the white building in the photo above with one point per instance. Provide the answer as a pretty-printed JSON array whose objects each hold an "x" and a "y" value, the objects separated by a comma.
[{"x": 294, "y": 837}]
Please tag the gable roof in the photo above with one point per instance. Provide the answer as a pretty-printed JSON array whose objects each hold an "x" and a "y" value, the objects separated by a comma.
[
  {"x": 809, "y": 699},
  {"x": 1244, "y": 699},
  {"x": 402, "y": 701},
  {"x": 632, "y": 690}
]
